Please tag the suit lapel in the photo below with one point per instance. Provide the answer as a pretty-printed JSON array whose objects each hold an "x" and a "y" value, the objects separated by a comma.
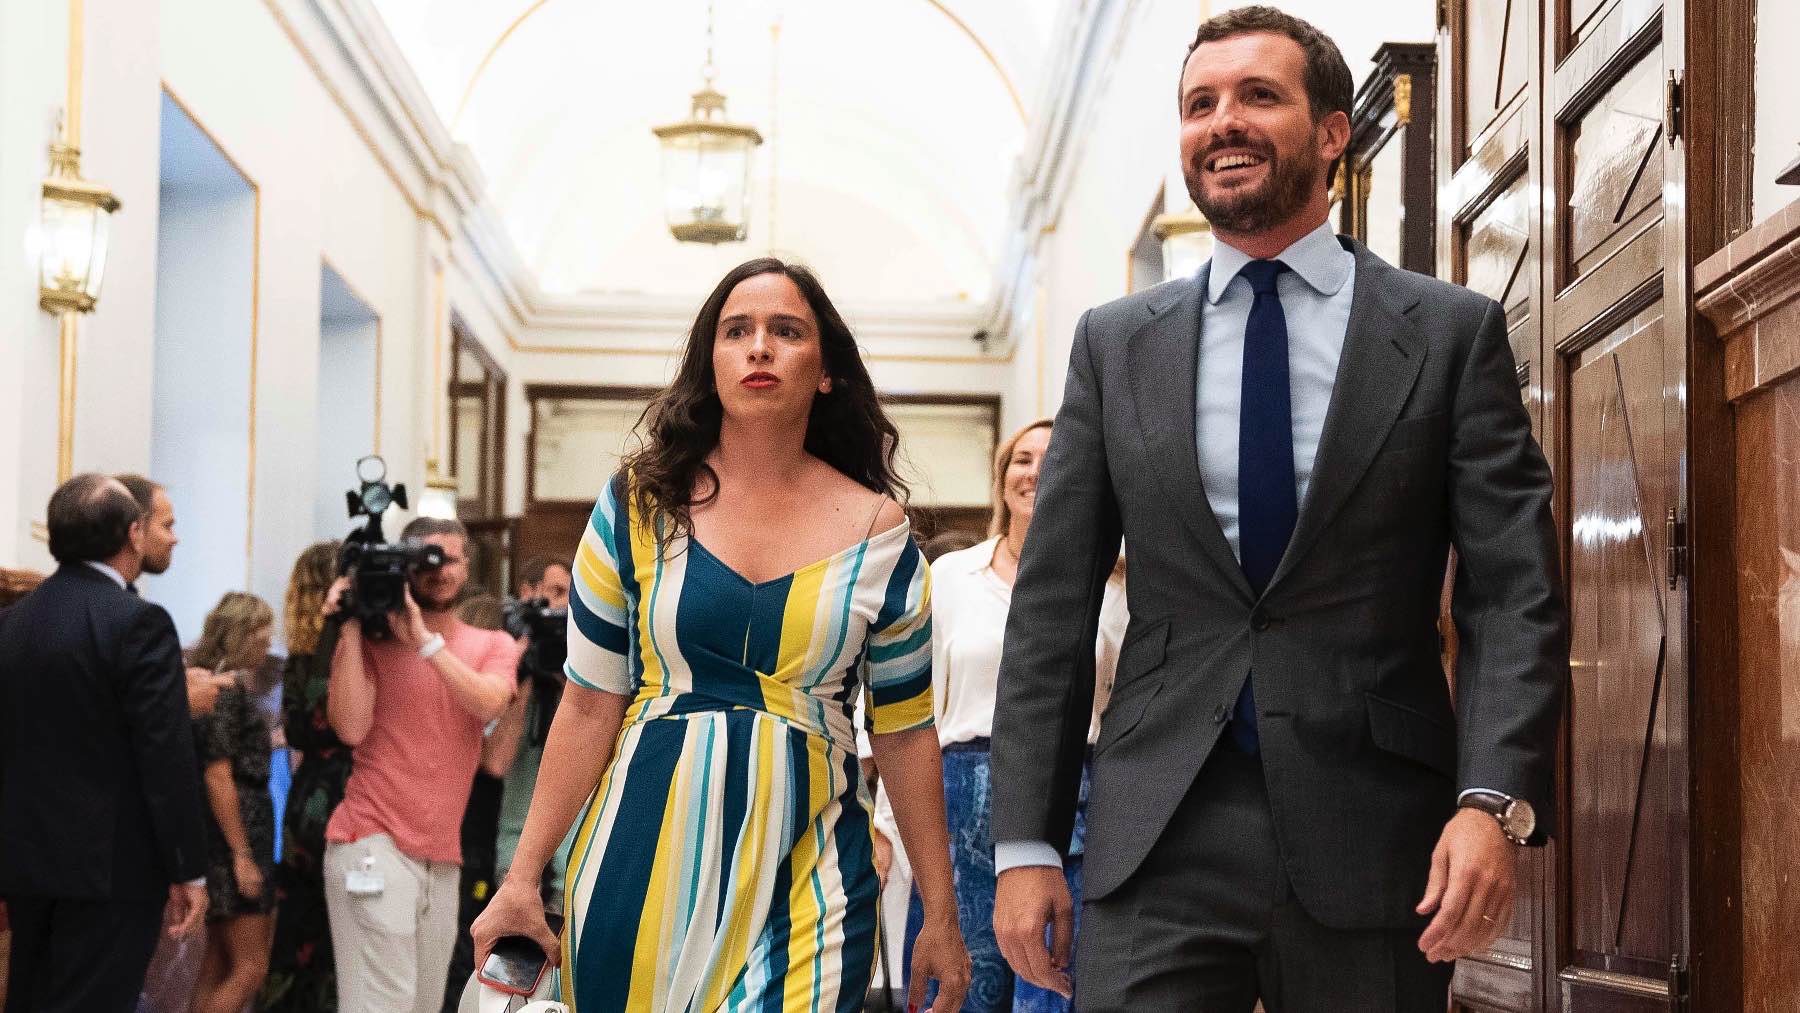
[
  {"x": 1383, "y": 353},
  {"x": 1164, "y": 362}
]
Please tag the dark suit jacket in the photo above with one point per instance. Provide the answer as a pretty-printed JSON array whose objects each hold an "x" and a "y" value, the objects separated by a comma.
[
  {"x": 1426, "y": 445},
  {"x": 99, "y": 788}
]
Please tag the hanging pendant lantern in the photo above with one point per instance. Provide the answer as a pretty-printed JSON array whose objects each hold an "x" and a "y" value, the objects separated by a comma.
[{"x": 706, "y": 166}]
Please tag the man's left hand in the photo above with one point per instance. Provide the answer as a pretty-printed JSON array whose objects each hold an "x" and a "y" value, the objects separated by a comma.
[
  {"x": 1471, "y": 887},
  {"x": 409, "y": 626}
]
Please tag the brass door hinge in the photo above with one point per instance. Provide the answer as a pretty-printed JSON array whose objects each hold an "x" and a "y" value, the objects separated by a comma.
[
  {"x": 1672, "y": 109},
  {"x": 1675, "y": 537}
]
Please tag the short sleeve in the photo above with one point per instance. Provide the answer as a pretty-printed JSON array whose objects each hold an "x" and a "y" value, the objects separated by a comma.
[
  {"x": 599, "y": 617},
  {"x": 898, "y": 658}
]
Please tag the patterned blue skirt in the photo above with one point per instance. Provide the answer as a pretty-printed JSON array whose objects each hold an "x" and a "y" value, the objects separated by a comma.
[{"x": 993, "y": 988}]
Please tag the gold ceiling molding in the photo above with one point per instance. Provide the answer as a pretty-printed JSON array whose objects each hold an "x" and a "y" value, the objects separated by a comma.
[
  {"x": 462, "y": 105},
  {"x": 356, "y": 125}
]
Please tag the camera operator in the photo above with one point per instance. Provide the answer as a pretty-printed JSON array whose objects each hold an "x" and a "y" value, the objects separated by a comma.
[
  {"x": 412, "y": 707},
  {"x": 539, "y": 617}
]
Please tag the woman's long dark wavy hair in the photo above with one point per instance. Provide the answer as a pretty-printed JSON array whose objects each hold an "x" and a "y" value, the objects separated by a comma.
[{"x": 847, "y": 428}]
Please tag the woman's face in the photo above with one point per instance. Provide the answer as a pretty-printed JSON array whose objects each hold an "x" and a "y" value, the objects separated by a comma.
[
  {"x": 256, "y": 647},
  {"x": 767, "y": 359},
  {"x": 1020, "y": 483}
]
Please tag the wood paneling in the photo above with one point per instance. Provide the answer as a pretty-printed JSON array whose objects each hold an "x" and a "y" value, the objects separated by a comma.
[
  {"x": 1616, "y": 165},
  {"x": 1496, "y": 61},
  {"x": 1768, "y": 565}
]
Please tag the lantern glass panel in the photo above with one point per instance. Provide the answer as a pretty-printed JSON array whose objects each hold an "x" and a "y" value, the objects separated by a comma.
[
  {"x": 71, "y": 231},
  {"x": 1184, "y": 252}
]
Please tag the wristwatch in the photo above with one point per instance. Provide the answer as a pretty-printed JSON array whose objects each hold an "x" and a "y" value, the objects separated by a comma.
[{"x": 1516, "y": 817}]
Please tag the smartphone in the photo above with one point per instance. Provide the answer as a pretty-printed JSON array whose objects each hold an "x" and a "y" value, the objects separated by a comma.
[{"x": 516, "y": 964}]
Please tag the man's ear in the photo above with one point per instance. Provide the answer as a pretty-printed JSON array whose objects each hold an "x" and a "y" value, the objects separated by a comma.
[{"x": 134, "y": 536}]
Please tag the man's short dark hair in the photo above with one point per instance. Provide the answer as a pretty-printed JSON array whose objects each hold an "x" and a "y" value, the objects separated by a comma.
[
  {"x": 424, "y": 527},
  {"x": 90, "y": 518},
  {"x": 1329, "y": 86},
  {"x": 142, "y": 489},
  {"x": 534, "y": 569}
]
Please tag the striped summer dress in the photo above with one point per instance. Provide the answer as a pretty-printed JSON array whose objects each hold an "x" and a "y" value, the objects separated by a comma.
[{"x": 724, "y": 861}]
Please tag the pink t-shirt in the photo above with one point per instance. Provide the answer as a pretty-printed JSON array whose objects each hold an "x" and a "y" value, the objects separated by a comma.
[{"x": 411, "y": 774}]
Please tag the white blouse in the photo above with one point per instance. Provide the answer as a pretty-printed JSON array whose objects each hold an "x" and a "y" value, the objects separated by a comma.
[{"x": 969, "y": 605}]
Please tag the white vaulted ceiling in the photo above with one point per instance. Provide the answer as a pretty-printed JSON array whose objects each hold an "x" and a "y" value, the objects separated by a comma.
[{"x": 891, "y": 131}]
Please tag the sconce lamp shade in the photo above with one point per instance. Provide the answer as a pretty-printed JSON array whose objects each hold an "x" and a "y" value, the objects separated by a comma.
[
  {"x": 1187, "y": 241},
  {"x": 75, "y": 219}
]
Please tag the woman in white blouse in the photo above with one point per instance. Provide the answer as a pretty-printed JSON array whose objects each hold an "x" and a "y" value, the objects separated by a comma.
[{"x": 971, "y": 594}]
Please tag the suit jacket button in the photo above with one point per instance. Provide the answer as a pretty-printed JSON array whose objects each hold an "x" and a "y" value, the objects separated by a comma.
[
  {"x": 1259, "y": 622},
  {"x": 1220, "y": 713}
]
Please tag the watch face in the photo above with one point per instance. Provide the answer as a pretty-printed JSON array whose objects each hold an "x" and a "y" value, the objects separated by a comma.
[{"x": 1519, "y": 820}]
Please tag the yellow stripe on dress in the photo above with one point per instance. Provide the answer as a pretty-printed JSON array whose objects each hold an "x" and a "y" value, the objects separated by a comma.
[{"x": 806, "y": 919}]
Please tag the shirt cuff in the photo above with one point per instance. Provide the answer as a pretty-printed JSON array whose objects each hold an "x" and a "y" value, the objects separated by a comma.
[
  {"x": 196, "y": 882},
  {"x": 1017, "y": 854},
  {"x": 1466, "y": 792}
]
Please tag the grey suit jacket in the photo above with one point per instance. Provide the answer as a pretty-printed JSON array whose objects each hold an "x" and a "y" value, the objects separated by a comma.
[{"x": 1426, "y": 445}]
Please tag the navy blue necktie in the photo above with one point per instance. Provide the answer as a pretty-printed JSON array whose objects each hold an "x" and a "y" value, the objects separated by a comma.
[{"x": 1268, "y": 501}]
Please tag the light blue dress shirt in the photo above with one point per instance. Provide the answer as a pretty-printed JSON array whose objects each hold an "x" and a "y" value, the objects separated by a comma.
[{"x": 1315, "y": 293}]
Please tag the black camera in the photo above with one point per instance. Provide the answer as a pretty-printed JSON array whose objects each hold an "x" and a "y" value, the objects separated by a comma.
[
  {"x": 544, "y": 655},
  {"x": 378, "y": 571}
]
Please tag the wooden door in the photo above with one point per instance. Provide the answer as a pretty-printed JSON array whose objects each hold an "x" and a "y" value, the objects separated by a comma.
[
  {"x": 1563, "y": 202},
  {"x": 1616, "y": 337}
]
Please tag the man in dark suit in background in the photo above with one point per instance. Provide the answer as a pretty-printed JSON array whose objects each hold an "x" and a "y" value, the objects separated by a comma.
[
  {"x": 101, "y": 823},
  {"x": 1285, "y": 805}
]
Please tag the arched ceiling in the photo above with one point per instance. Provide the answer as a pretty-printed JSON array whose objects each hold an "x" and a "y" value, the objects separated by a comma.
[{"x": 891, "y": 128}]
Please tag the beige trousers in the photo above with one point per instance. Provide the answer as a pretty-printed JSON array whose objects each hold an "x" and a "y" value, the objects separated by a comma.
[{"x": 392, "y": 948}]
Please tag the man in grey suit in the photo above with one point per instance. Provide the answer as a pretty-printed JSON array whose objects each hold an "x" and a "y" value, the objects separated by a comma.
[{"x": 1285, "y": 803}]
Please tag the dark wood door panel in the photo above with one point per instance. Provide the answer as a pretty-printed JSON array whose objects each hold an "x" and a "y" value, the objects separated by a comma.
[
  {"x": 552, "y": 530},
  {"x": 1621, "y": 458},
  {"x": 1496, "y": 62},
  {"x": 1615, "y": 167}
]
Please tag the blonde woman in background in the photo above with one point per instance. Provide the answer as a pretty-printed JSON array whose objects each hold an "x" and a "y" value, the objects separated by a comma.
[
  {"x": 234, "y": 753},
  {"x": 301, "y": 976},
  {"x": 973, "y": 590}
]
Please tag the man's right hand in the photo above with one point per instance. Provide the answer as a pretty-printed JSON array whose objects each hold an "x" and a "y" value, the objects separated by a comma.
[
  {"x": 1028, "y": 899},
  {"x": 187, "y": 906}
]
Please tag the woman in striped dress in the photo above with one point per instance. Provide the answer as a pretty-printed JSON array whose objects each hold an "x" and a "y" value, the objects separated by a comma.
[{"x": 742, "y": 581}]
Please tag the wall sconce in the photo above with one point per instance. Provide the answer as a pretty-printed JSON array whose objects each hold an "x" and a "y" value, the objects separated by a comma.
[
  {"x": 76, "y": 218},
  {"x": 1187, "y": 241},
  {"x": 439, "y": 498}
]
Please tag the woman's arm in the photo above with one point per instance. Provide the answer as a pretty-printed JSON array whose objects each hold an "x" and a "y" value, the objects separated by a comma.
[
  {"x": 221, "y": 793},
  {"x": 576, "y": 753},
  {"x": 912, "y": 769}
]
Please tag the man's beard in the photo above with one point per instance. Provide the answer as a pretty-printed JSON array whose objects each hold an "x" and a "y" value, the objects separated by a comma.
[
  {"x": 156, "y": 565},
  {"x": 1283, "y": 192},
  {"x": 427, "y": 603}
]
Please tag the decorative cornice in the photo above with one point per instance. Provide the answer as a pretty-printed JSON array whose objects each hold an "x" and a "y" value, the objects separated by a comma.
[
  {"x": 1085, "y": 46},
  {"x": 1753, "y": 276}
]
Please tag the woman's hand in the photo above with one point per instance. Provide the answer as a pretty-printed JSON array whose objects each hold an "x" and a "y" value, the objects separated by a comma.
[
  {"x": 939, "y": 955},
  {"x": 516, "y": 910},
  {"x": 248, "y": 875}
]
